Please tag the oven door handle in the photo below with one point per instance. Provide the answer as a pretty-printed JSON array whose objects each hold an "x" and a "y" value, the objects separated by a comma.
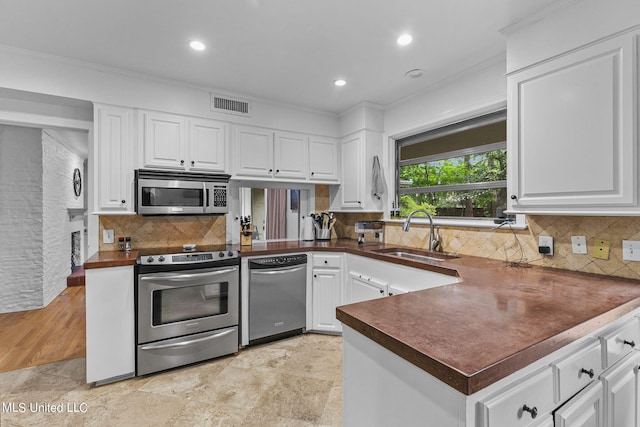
[
  {"x": 184, "y": 343},
  {"x": 186, "y": 277}
]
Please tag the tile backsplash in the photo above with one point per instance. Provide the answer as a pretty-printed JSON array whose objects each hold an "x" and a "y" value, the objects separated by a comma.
[
  {"x": 522, "y": 245},
  {"x": 164, "y": 231},
  {"x": 502, "y": 244}
]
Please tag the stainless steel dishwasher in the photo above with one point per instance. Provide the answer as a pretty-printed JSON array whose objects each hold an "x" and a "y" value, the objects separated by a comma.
[{"x": 277, "y": 297}]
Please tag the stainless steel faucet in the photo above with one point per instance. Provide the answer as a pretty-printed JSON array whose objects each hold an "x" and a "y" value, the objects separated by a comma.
[{"x": 407, "y": 224}]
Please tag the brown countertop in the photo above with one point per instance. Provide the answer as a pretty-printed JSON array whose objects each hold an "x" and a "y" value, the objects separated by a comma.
[
  {"x": 111, "y": 259},
  {"x": 496, "y": 320}
]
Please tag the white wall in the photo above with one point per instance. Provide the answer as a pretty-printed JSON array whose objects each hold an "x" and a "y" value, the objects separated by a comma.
[
  {"x": 58, "y": 163},
  {"x": 21, "y": 246},
  {"x": 27, "y": 71},
  {"x": 475, "y": 92},
  {"x": 575, "y": 24}
]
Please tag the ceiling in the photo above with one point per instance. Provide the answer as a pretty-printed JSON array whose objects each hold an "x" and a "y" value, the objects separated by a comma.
[{"x": 287, "y": 51}]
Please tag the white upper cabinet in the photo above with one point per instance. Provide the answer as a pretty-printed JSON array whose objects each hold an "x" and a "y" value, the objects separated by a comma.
[
  {"x": 207, "y": 145},
  {"x": 323, "y": 159},
  {"x": 352, "y": 194},
  {"x": 573, "y": 146},
  {"x": 164, "y": 137},
  {"x": 357, "y": 153},
  {"x": 291, "y": 155},
  {"x": 285, "y": 156},
  {"x": 253, "y": 152},
  {"x": 177, "y": 142},
  {"x": 114, "y": 152}
]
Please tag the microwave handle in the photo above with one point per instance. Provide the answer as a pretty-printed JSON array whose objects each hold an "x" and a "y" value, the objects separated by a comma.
[{"x": 206, "y": 194}]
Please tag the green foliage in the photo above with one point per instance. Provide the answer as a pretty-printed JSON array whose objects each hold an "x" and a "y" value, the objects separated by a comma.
[
  {"x": 408, "y": 205},
  {"x": 484, "y": 167}
]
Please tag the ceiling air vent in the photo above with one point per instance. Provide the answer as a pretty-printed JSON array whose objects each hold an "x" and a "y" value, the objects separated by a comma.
[{"x": 225, "y": 104}]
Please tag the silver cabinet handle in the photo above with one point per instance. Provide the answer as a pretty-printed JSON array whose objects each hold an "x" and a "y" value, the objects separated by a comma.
[{"x": 183, "y": 343}]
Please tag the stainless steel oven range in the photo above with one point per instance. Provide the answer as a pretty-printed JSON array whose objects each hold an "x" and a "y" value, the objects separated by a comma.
[{"x": 187, "y": 305}]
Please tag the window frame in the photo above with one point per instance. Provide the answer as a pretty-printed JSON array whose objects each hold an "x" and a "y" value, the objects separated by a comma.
[{"x": 447, "y": 129}]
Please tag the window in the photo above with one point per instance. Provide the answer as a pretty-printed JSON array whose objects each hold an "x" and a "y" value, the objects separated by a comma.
[{"x": 459, "y": 170}]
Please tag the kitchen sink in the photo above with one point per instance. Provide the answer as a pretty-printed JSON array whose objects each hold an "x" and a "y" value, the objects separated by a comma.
[{"x": 417, "y": 254}]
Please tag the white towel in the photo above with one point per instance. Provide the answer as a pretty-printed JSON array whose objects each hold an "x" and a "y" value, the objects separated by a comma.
[{"x": 377, "y": 180}]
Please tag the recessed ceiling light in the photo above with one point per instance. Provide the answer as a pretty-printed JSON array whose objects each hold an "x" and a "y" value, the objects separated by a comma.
[
  {"x": 404, "y": 39},
  {"x": 197, "y": 45},
  {"x": 340, "y": 82}
]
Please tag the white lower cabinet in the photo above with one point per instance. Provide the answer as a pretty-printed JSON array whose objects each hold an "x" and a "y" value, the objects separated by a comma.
[
  {"x": 361, "y": 287},
  {"x": 585, "y": 409},
  {"x": 545, "y": 421},
  {"x": 577, "y": 370},
  {"x": 327, "y": 292},
  {"x": 110, "y": 324},
  {"x": 620, "y": 383},
  {"x": 521, "y": 403}
]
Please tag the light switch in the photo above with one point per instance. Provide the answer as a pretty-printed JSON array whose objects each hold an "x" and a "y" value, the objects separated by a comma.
[
  {"x": 107, "y": 236},
  {"x": 601, "y": 249},
  {"x": 631, "y": 250},
  {"x": 579, "y": 244}
]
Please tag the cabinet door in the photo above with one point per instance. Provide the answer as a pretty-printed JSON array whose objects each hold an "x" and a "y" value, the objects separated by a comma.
[
  {"x": 113, "y": 159},
  {"x": 207, "y": 145},
  {"x": 571, "y": 132},
  {"x": 323, "y": 159},
  {"x": 364, "y": 288},
  {"x": 253, "y": 152},
  {"x": 110, "y": 324},
  {"x": 327, "y": 295},
  {"x": 291, "y": 155},
  {"x": 164, "y": 141},
  {"x": 621, "y": 392},
  {"x": 352, "y": 176},
  {"x": 519, "y": 404},
  {"x": 584, "y": 409}
]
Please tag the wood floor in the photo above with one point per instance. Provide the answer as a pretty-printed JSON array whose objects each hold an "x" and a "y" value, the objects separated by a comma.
[{"x": 50, "y": 334}]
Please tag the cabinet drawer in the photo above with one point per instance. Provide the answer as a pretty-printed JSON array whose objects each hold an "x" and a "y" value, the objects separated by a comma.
[
  {"x": 332, "y": 261},
  {"x": 577, "y": 370},
  {"x": 620, "y": 341},
  {"x": 516, "y": 405}
]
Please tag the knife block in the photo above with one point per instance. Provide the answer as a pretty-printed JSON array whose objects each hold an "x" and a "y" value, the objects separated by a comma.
[{"x": 245, "y": 238}]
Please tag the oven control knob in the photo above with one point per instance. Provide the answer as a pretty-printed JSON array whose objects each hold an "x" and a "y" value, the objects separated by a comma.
[
  {"x": 161, "y": 259},
  {"x": 221, "y": 254},
  {"x": 150, "y": 259},
  {"x": 230, "y": 253}
]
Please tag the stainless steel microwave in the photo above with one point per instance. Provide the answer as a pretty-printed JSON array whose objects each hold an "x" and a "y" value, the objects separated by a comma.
[{"x": 180, "y": 193}]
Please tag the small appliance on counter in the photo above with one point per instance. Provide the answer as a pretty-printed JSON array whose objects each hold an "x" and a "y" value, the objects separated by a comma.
[
  {"x": 369, "y": 227},
  {"x": 306, "y": 233}
]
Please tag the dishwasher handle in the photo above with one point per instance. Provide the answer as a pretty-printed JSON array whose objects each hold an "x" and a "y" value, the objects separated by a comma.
[{"x": 275, "y": 271}]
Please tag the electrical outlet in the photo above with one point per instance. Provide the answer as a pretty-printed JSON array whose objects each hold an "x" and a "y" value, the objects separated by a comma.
[
  {"x": 601, "y": 249},
  {"x": 545, "y": 245},
  {"x": 631, "y": 250},
  {"x": 107, "y": 236},
  {"x": 579, "y": 244}
]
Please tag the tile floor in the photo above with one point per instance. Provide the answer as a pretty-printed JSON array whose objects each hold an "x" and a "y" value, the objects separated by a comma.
[{"x": 293, "y": 382}]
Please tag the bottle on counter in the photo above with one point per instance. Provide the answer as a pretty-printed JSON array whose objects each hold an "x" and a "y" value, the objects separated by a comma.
[
  {"x": 121, "y": 243},
  {"x": 127, "y": 243}
]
